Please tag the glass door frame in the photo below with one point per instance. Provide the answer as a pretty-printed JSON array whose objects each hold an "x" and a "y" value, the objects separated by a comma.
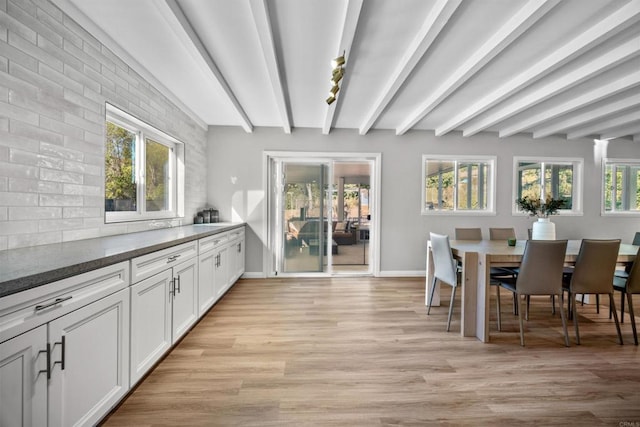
[{"x": 272, "y": 220}]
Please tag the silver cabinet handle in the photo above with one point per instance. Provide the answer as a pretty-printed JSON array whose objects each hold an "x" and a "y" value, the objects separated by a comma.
[
  {"x": 172, "y": 258},
  {"x": 51, "y": 304},
  {"x": 177, "y": 280}
]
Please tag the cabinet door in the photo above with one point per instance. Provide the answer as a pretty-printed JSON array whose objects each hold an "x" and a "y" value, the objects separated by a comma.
[
  {"x": 185, "y": 297},
  {"x": 206, "y": 284},
  {"x": 221, "y": 275},
  {"x": 150, "y": 322},
  {"x": 239, "y": 255},
  {"x": 89, "y": 361},
  {"x": 23, "y": 379}
]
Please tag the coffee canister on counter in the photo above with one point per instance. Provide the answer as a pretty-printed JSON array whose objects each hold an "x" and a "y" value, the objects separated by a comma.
[
  {"x": 206, "y": 214},
  {"x": 215, "y": 215}
]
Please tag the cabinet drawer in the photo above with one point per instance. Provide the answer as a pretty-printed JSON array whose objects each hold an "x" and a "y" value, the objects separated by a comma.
[
  {"x": 150, "y": 264},
  {"x": 236, "y": 234},
  {"x": 34, "y": 307},
  {"x": 211, "y": 242}
]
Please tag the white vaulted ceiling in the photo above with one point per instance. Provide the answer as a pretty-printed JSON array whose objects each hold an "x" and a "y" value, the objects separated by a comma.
[{"x": 555, "y": 67}]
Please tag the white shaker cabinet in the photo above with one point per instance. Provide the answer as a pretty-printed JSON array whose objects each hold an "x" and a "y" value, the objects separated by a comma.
[
  {"x": 23, "y": 379},
  {"x": 211, "y": 270},
  {"x": 89, "y": 361},
  {"x": 64, "y": 350},
  {"x": 164, "y": 305},
  {"x": 236, "y": 255}
]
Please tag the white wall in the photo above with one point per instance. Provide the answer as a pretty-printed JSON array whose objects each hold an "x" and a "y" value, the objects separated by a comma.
[
  {"x": 235, "y": 184},
  {"x": 55, "y": 78}
]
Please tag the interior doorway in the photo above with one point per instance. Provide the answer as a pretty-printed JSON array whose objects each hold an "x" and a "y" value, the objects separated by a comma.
[{"x": 321, "y": 217}]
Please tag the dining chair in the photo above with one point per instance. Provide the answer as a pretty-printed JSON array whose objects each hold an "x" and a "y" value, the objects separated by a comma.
[
  {"x": 593, "y": 275},
  {"x": 624, "y": 274},
  {"x": 497, "y": 272},
  {"x": 629, "y": 286},
  {"x": 540, "y": 274},
  {"x": 468, "y": 234},
  {"x": 502, "y": 233},
  {"x": 445, "y": 269}
]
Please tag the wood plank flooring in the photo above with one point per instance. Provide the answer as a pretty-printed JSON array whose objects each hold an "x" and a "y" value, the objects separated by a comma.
[{"x": 363, "y": 352}]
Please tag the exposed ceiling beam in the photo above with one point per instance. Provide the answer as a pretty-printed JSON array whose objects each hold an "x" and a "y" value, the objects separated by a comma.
[
  {"x": 351, "y": 16},
  {"x": 601, "y": 127},
  {"x": 435, "y": 21},
  {"x": 623, "y": 131},
  {"x": 260, "y": 13},
  {"x": 518, "y": 24},
  {"x": 589, "y": 116},
  {"x": 568, "y": 80},
  {"x": 573, "y": 104},
  {"x": 616, "y": 22},
  {"x": 178, "y": 22},
  {"x": 85, "y": 22}
]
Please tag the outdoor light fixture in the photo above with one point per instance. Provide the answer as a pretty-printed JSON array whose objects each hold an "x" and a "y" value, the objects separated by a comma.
[{"x": 336, "y": 75}]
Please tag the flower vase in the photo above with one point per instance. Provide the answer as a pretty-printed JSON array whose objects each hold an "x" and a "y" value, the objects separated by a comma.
[{"x": 543, "y": 229}]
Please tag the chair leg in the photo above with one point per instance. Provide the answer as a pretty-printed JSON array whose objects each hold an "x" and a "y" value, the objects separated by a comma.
[
  {"x": 433, "y": 288},
  {"x": 515, "y": 304},
  {"x": 520, "y": 319},
  {"x": 453, "y": 297},
  {"x": 598, "y": 303},
  {"x": 612, "y": 304},
  {"x": 575, "y": 320},
  {"x": 569, "y": 311},
  {"x": 498, "y": 308},
  {"x": 633, "y": 319},
  {"x": 526, "y": 314},
  {"x": 564, "y": 320},
  {"x": 553, "y": 304}
]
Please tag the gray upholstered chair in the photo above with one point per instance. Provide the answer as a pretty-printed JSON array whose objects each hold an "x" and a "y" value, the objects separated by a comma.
[
  {"x": 593, "y": 275},
  {"x": 445, "y": 269},
  {"x": 468, "y": 234},
  {"x": 624, "y": 274},
  {"x": 498, "y": 272},
  {"x": 540, "y": 274},
  {"x": 629, "y": 286},
  {"x": 502, "y": 233}
]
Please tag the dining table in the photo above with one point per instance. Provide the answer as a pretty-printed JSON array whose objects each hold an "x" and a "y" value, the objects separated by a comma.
[{"x": 476, "y": 258}]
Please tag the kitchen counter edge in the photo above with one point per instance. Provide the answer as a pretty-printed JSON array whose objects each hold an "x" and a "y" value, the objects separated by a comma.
[{"x": 27, "y": 268}]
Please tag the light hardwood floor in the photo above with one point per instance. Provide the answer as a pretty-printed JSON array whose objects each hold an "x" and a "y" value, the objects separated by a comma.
[{"x": 362, "y": 351}]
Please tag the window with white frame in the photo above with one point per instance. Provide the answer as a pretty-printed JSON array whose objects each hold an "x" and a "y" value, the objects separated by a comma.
[
  {"x": 141, "y": 170},
  {"x": 621, "y": 186},
  {"x": 458, "y": 185},
  {"x": 559, "y": 178}
]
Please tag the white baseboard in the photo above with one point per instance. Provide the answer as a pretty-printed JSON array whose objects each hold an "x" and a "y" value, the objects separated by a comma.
[
  {"x": 253, "y": 275},
  {"x": 406, "y": 273}
]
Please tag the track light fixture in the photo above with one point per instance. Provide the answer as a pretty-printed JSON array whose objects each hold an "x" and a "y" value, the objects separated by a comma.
[
  {"x": 338, "y": 62},
  {"x": 336, "y": 75}
]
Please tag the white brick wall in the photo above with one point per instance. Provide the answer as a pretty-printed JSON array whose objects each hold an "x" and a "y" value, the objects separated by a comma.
[{"x": 55, "y": 78}]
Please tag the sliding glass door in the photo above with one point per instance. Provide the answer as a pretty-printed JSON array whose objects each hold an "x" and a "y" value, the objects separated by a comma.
[
  {"x": 321, "y": 218},
  {"x": 304, "y": 213}
]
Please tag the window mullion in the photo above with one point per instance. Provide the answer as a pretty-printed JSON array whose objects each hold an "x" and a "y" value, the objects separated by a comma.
[
  {"x": 141, "y": 174},
  {"x": 455, "y": 185}
]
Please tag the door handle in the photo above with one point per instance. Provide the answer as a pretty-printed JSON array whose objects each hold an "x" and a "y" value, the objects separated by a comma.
[{"x": 176, "y": 280}]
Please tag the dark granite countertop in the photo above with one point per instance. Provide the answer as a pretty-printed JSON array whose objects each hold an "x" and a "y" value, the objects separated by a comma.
[{"x": 26, "y": 268}]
